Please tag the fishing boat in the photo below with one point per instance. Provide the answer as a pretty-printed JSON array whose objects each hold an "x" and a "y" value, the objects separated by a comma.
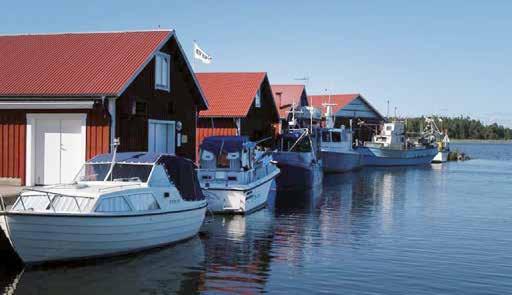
[
  {"x": 297, "y": 158},
  {"x": 392, "y": 148},
  {"x": 441, "y": 138},
  {"x": 118, "y": 203},
  {"x": 443, "y": 147},
  {"x": 235, "y": 174},
  {"x": 337, "y": 152}
]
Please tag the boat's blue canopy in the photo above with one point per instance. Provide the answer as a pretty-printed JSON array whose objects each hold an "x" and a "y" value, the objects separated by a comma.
[
  {"x": 181, "y": 171},
  {"x": 228, "y": 144}
]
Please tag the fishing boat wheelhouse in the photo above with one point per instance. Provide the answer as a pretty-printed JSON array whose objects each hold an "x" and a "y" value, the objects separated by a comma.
[{"x": 298, "y": 161}]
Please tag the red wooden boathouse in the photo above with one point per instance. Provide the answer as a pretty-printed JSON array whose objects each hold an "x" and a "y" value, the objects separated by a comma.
[
  {"x": 64, "y": 97},
  {"x": 239, "y": 104}
]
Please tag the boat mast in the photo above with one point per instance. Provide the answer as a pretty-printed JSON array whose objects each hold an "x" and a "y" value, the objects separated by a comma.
[{"x": 114, "y": 145}]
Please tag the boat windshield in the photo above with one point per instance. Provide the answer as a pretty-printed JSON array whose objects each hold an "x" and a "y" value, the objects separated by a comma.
[
  {"x": 121, "y": 172},
  {"x": 291, "y": 145}
]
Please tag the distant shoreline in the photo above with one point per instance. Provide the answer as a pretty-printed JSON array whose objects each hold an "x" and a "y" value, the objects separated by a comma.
[{"x": 490, "y": 141}]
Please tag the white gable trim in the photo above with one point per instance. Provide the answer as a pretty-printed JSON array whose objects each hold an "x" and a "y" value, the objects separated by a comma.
[
  {"x": 45, "y": 105},
  {"x": 150, "y": 57}
]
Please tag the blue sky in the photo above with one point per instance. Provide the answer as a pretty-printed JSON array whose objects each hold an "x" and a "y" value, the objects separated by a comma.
[{"x": 426, "y": 57}]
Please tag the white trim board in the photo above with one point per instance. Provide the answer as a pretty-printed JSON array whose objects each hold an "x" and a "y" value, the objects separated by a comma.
[{"x": 45, "y": 105}]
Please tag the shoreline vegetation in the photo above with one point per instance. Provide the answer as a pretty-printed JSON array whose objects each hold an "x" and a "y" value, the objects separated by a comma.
[{"x": 464, "y": 129}]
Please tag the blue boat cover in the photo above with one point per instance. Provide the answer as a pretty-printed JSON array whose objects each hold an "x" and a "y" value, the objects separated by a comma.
[
  {"x": 181, "y": 171},
  {"x": 228, "y": 144}
]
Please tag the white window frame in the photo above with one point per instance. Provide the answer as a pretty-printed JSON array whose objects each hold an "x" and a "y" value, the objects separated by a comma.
[
  {"x": 257, "y": 99},
  {"x": 159, "y": 72}
]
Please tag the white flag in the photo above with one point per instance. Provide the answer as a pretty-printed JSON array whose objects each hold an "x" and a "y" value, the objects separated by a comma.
[{"x": 201, "y": 55}]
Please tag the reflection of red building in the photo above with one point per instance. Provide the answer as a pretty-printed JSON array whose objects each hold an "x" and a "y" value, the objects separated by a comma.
[{"x": 285, "y": 97}]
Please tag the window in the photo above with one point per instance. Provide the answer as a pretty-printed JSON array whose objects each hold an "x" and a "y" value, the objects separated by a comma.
[
  {"x": 121, "y": 172},
  {"x": 162, "y": 69},
  {"x": 70, "y": 204},
  {"x": 140, "y": 108},
  {"x": 326, "y": 136},
  {"x": 257, "y": 99},
  {"x": 161, "y": 136},
  {"x": 336, "y": 137},
  {"x": 114, "y": 204},
  {"x": 143, "y": 202}
]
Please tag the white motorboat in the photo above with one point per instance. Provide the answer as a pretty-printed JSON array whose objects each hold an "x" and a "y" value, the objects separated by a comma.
[
  {"x": 118, "y": 204},
  {"x": 234, "y": 174}
]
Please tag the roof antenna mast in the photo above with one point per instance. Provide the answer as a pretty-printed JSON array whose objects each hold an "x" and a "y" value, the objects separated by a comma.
[{"x": 306, "y": 81}]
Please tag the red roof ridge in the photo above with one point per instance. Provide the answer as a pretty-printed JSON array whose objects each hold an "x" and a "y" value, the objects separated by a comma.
[{"x": 85, "y": 32}]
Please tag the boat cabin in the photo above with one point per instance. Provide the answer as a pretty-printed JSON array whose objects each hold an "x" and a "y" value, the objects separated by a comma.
[
  {"x": 136, "y": 183},
  {"x": 392, "y": 135},
  {"x": 232, "y": 158},
  {"x": 297, "y": 140},
  {"x": 336, "y": 139}
]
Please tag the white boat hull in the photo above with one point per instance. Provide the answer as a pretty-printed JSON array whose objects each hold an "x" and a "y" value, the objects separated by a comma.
[
  {"x": 441, "y": 157},
  {"x": 242, "y": 201},
  {"x": 39, "y": 238}
]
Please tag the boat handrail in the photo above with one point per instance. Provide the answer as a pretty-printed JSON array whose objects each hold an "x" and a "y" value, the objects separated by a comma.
[
  {"x": 117, "y": 186},
  {"x": 50, "y": 200},
  {"x": 2, "y": 203}
]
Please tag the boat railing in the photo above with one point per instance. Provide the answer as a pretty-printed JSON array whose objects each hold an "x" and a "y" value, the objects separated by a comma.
[
  {"x": 103, "y": 189},
  {"x": 236, "y": 176},
  {"x": 50, "y": 199},
  {"x": 2, "y": 203}
]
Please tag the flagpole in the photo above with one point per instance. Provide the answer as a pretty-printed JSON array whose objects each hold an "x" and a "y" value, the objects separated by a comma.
[{"x": 193, "y": 57}]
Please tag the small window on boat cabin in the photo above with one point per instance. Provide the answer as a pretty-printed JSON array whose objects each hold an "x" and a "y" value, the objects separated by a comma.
[
  {"x": 222, "y": 160},
  {"x": 257, "y": 99},
  {"x": 162, "y": 71},
  {"x": 113, "y": 204},
  {"x": 70, "y": 204},
  {"x": 389, "y": 128},
  {"x": 143, "y": 202},
  {"x": 326, "y": 136},
  {"x": 32, "y": 202},
  {"x": 336, "y": 137}
]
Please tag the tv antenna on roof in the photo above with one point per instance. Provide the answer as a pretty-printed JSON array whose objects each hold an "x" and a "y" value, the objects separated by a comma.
[{"x": 305, "y": 79}]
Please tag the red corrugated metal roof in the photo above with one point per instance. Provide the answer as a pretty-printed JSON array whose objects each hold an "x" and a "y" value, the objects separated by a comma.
[
  {"x": 285, "y": 96},
  {"x": 229, "y": 94},
  {"x": 74, "y": 64},
  {"x": 341, "y": 100}
]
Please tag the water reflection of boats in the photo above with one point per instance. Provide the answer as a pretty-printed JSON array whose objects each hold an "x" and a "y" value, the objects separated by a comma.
[
  {"x": 175, "y": 269},
  {"x": 303, "y": 200},
  {"x": 238, "y": 250}
]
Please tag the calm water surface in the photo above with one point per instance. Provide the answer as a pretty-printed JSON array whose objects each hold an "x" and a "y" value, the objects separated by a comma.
[{"x": 441, "y": 229}]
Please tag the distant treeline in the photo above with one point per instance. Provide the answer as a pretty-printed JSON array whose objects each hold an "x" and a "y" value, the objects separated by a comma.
[{"x": 463, "y": 128}]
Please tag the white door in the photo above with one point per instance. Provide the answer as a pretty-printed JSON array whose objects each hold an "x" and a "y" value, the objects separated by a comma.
[
  {"x": 161, "y": 136},
  {"x": 58, "y": 147}
]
